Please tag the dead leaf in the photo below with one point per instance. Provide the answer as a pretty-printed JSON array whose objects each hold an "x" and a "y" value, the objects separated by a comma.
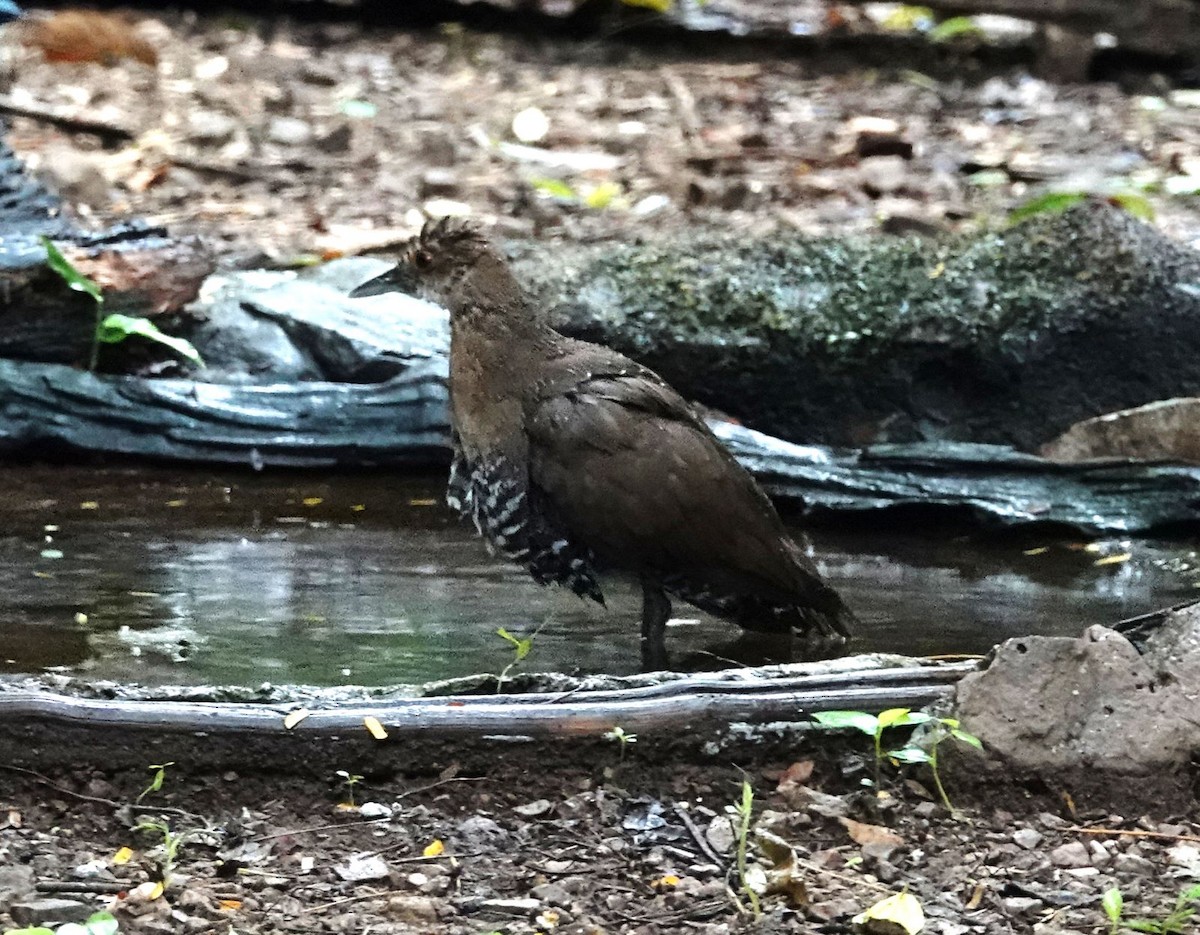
[
  {"x": 899, "y": 914},
  {"x": 784, "y": 876},
  {"x": 377, "y": 731},
  {"x": 976, "y": 897},
  {"x": 797, "y": 774},
  {"x": 434, "y": 848},
  {"x": 864, "y": 834},
  {"x": 295, "y": 717},
  {"x": 122, "y": 856}
]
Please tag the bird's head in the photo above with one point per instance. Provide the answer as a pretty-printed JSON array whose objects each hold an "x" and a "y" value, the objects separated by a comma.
[{"x": 450, "y": 262}]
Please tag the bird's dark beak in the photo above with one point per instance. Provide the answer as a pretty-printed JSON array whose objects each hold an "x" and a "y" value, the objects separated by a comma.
[{"x": 397, "y": 279}]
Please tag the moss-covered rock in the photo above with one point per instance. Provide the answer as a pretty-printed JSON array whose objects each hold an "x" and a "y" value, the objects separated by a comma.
[{"x": 1009, "y": 337}]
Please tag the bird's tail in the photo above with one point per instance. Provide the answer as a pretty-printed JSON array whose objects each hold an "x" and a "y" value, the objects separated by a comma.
[{"x": 820, "y": 611}]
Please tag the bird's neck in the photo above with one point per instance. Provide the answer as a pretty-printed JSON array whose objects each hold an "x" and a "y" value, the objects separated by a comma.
[{"x": 499, "y": 343}]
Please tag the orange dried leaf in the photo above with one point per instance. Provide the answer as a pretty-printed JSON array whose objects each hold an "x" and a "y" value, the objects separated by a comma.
[{"x": 864, "y": 834}]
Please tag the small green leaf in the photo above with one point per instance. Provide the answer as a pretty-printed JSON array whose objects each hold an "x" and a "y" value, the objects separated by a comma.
[
  {"x": 858, "y": 720},
  {"x": 508, "y": 637},
  {"x": 524, "y": 647},
  {"x": 955, "y": 28},
  {"x": 969, "y": 739},
  {"x": 35, "y": 930},
  {"x": 1113, "y": 904},
  {"x": 893, "y": 716},
  {"x": 1143, "y": 925},
  {"x": 70, "y": 275},
  {"x": 1137, "y": 205},
  {"x": 116, "y": 328},
  {"x": 1051, "y": 203},
  {"x": 658, "y": 6},
  {"x": 602, "y": 195},
  {"x": 102, "y": 923},
  {"x": 1190, "y": 894},
  {"x": 555, "y": 188}
]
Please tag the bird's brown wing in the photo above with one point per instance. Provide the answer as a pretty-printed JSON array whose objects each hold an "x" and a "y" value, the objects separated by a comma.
[{"x": 638, "y": 477}]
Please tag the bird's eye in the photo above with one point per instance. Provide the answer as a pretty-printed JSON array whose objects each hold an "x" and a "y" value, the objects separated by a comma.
[{"x": 422, "y": 259}]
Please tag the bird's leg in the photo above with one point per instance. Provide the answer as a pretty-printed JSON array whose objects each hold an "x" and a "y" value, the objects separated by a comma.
[{"x": 656, "y": 609}]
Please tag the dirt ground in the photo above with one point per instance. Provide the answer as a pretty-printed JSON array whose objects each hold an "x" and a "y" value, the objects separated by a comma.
[
  {"x": 279, "y": 141},
  {"x": 574, "y": 839}
]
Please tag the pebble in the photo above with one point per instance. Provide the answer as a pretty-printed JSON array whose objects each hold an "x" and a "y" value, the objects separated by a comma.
[
  {"x": 883, "y": 175},
  {"x": 1131, "y": 863},
  {"x": 438, "y": 182},
  {"x": 289, "y": 131},
  {"x": 1021, "y": 905},
  {"x": 210, "y": 126},
  {"x": 1074, "y": 854},
  {"x": 534, "y": 809},
  {"x": 50, "y": 911},
  {"x": 552, "y": 894},
  {"x": 412, "y": 909},
  {"x": 1028, "y": 838},
  {"x": 720, "y": 834}
]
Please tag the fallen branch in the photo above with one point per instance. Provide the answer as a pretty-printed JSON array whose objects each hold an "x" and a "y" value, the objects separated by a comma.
[{"x": 65, "y": 121}]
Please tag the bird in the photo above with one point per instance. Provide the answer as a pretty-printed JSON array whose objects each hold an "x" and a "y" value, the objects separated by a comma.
[{"x": 573, "y": 460}]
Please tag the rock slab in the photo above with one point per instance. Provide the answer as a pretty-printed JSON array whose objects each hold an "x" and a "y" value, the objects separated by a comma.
[{"x": 1092, "y": 703}]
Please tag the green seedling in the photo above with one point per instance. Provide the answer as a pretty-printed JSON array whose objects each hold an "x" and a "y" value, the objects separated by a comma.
[
  {"x": 872, "y": 725},
  {"x": 520, "y": 647},
  {"x": 744, "y": 810},
  {"x": 156, "y": 784},
  {"x": 1177, "y": 921},
  {"x": 111, "y": 329},
  {"x": 98, "y": 923},
  {"x": 1113, "y": 904},
  {"x": 169, "y": 844},
  {"x": 620, "y": 736},
  {"x": 349, "y": 780},
  {"x": 925, "y": 750}
]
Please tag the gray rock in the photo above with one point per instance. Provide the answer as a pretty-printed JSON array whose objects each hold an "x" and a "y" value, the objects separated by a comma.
[
  {"x": 721, "y": 834},
  {"x": 1166, "y": 430},
  {"x": 1021, "y": 905},
  {"x": 210, "y": 127},
  {"x": 1092, "y": 702},
  {"x": 1133, "y": 864},
  {"x": 440, "y": 182},
  {"x": 1028, "y": 838},
  {"x": 289, "y": 131},
  {"x": 50, "y": 911},
  {"x": 15, "y": 883},
  {"x": 1072, "y": 854},
  {"x": 534, "y": 809},
  {"x": 362, "y": 867},
  {"x": 552, "y": 894},
  {"x": 883, "y": 175}
]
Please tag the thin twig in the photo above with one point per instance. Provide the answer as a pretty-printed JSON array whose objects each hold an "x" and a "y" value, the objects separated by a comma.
[
  {"x": 701, "y": 841},
  {"x": 164, "y": 810},
  {"x": 1136, "y": 833},
  {"x": 64, "y": 121},
  {"x": 81, "y": 886},
  {"x": 441, "y": 782},
  {"x": 846, "y": 877},
  {"x": 357, "y": 897}
]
